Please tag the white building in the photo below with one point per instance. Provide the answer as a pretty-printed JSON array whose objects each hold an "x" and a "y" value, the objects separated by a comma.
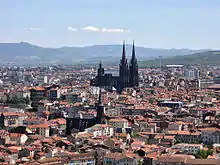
[
  {"x": 12, "y": 119},
  {"x": 94, "y": 90},
  {"x": 191, "y": 148},
  {"x": 1, "y": 83},
  {"x": 100, "y": 130},
  {"x": 44, "y": 130},
  {"x": 174, "y": 127},
  {"x": 45, "y": 79},
  {"x": 210, "y": 135},
  {"x": 118, "y": 123},
  {"x": 17, "y": 138},
  {"x": 19, "y": 94}
]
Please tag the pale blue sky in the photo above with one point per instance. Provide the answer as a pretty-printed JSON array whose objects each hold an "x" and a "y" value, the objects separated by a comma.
[{"x": 151, "y": 23}]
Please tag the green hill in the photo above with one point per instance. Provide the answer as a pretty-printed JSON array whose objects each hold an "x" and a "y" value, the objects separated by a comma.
[{"x": 204, "y": 58}]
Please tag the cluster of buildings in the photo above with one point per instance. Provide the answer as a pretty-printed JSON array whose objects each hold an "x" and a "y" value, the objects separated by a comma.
[{"x": 148, "y": 116}]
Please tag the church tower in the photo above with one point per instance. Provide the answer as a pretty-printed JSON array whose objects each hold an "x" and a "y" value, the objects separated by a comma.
[
  {"x": 123, "y": 71},
  {"x": 100, "y": 117},
  {"x": 133, "y": 70},
  {"x": 100, "y": 74},
  {"x": 100, "y": 69}
]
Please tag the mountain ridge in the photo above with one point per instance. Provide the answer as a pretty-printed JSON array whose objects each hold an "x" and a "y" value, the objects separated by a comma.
[
  {"x": 26, "y": 53},
  {"x": 202, "y": 58}
]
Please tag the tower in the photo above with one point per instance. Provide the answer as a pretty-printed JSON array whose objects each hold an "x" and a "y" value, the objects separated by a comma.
[
  {"x": 101, "y": 72},
  {"x": 123, "y": 70},
  {"x": 100, "y": 69},
  {"x": 100, "y": 110},
  {"x": 133, "y": 69}
]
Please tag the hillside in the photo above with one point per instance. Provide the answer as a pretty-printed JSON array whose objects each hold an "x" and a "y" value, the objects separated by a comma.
[
  {"x": 203, "y": 58},
  {"x": 25, "y": 53}
]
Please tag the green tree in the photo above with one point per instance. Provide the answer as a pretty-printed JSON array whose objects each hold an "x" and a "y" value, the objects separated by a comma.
[
  {"x": 203, "y": 154},
  {"x": 135, "y": 134},
  {"x": 209, "y": 152},
  {"x": 29, "y": 140},
  {"x": 151, "y": 100},
  {"x": 178, "y": 141},
  {"x": 152, "y": 92}
]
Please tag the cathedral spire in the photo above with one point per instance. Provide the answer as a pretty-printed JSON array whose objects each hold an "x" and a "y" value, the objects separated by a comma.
[
  {"x": 123, "y": 71},
  {"x": 123, "y": 59},
  {"x": 133, "y": 69},
  {"x": 133, "y": 56},
  {"x": 133, "y": 50}
]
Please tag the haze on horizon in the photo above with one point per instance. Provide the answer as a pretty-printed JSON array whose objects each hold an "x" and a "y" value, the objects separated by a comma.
[{"x": 154, "y": 24}]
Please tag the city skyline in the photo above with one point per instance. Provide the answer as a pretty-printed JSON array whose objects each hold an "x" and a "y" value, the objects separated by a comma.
[{"x": 151, "y": 24}]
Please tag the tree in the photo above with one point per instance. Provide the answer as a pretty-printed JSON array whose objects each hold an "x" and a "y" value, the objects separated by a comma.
[
  {"x": 29, "y": 140},
  {"x": 151, "y": 100},
  {"x": 203, "y": 154},
  {"x": 152, "y": 92},
  {"x": 178, "y": 141},
  {"x": 23, "y": 153},
  {"x": 209, "y": 152},
  {"x": 135, "y": 134}
]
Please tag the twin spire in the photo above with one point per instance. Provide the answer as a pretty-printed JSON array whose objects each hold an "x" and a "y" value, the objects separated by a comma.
[
  {"x": 123, "y": 59},
  {"x": 133, "y": 57}
]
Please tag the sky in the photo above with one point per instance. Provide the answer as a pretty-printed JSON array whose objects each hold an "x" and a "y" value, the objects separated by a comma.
[{"x": 191, "y": 24}]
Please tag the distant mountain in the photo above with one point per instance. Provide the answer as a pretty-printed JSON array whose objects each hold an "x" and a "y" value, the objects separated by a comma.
[
  {"x": 203, "y": 58},
  {"x": 25, "y": 53}
]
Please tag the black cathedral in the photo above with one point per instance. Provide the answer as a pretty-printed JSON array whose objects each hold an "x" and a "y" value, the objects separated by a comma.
[
  {"x": 128, "y": 74},
  {"x": 74, "y": 123}
]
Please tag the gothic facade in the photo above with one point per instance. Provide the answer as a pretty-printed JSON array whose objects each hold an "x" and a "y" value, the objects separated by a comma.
[{"x": 128, "y": 74}]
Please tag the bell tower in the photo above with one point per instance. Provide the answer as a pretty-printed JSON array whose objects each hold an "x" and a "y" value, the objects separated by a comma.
[{"x": 100, "y": 117}]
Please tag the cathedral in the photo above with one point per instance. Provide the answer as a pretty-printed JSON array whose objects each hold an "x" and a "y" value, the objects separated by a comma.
[
  {"x": 81, "y": 123},
  {"x": 128, "y": 74}
]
